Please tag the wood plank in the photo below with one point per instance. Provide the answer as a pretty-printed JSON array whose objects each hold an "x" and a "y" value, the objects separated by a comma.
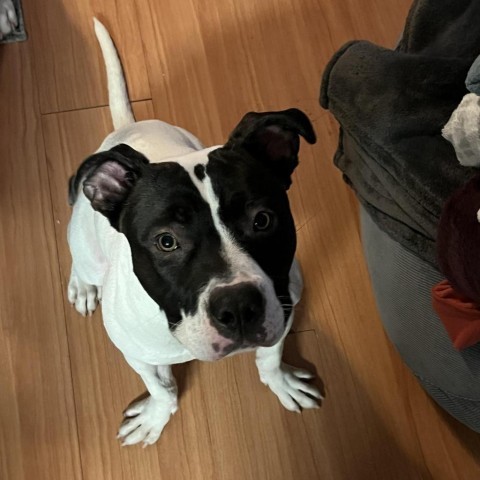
[
  {"x": 38, "y": 434},
  {"x": 210, "y": 65},
  {"x": 68, "y": 61},
  {"x": 11, "y": 464},
  {"x": 339, "y": 303}
]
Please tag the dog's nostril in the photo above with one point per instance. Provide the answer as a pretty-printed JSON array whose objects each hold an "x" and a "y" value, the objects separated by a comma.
[{"x": 226, "y": 318}]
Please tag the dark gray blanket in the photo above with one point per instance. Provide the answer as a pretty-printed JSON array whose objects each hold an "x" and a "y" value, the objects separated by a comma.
[{"x": 392, "y": 106}]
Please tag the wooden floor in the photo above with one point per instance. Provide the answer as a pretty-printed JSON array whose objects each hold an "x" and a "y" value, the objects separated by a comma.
[{"x": 201, "y": 64}]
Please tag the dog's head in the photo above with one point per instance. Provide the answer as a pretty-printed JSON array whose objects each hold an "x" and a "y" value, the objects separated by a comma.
[{"x": 211, "y": 234}]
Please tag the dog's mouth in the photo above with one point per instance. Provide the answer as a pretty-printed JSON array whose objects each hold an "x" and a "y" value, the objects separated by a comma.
[
  {"x": 208, "y": 344},
  {"x": 241, "y": 346},
  {"x": 217, "y": 353}
]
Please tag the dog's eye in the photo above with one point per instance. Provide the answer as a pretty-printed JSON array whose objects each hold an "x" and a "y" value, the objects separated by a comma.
[
  {"x": 262, "y": 221},
  {"x": 167, "y": 242}
]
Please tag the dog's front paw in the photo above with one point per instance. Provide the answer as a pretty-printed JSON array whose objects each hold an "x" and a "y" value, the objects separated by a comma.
[
  {"x": 85, "y": 297},
  {"x": 145, "y": 421},
  {"x": 290, "y": 386},
  {"x": 8, "y": 18}
]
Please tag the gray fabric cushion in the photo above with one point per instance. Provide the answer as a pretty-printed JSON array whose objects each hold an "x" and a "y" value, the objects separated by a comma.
[{"x": 402, "y": 284}]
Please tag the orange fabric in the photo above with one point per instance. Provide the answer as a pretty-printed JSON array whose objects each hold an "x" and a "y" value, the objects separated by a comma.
[{"x": 459, "y": 315}]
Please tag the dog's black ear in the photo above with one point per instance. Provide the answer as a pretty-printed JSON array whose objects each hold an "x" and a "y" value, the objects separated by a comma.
[
  {"x": 108, "y": 178},
  {"x": 273, "y": 138}
]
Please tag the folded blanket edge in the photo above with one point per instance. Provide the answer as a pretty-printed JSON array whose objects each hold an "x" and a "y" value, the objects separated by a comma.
[{"x": 328, "y": 68}]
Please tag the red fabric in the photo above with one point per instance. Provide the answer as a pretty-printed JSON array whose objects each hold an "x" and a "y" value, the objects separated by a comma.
[{"x": 459, "y": 315}]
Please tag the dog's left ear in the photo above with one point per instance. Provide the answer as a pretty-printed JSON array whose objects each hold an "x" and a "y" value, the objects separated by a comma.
[
  {"x": 273, "y": 139},
  {"x": 108, "y": 178}
]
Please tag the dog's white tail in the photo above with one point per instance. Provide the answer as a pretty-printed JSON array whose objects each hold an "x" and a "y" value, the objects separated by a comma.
[{"x": 120, "y": 108}]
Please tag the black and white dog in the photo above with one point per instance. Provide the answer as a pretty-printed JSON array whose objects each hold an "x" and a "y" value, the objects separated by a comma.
[{"x": 189, "y": 249}]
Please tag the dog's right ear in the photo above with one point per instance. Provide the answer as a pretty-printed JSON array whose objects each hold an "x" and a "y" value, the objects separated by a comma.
[
  {"x": 108, "y": 178},
  {"x": 273, "y": 139}
]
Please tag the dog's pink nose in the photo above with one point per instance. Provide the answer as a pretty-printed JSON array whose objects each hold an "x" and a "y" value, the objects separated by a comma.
[{"x": 237, "y": 308}]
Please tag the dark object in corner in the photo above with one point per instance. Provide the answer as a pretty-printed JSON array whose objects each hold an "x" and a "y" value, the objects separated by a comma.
[{"x": 459, "y": 240}]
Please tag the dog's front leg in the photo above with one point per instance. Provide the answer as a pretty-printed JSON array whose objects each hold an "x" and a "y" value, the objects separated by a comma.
[
  {"x": 145, "y": 419},
  {"x": 288, "y": 383}
]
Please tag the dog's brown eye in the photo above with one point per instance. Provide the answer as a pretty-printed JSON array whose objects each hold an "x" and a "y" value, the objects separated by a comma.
[
  {"x": 262, "y": 221},
  {"x": 167, "y": 242}
]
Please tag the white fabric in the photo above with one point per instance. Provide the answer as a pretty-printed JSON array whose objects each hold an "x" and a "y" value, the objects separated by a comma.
[{"x": 463, "y": 130}]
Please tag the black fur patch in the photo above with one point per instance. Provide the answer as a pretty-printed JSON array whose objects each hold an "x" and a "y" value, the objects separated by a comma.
[
  {"x": 273, "y": 139},
  {"x": 199, "y": 171}
]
